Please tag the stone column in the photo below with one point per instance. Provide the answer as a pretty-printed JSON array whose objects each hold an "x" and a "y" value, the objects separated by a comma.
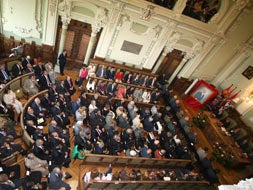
[
  {"x": 65, "y": 22},
  {"x": 90, "y": 45},
  {"x": 161, "y": 58},
  {"x": 100, "y": 22},
  {"x": 179, "y": 67}
]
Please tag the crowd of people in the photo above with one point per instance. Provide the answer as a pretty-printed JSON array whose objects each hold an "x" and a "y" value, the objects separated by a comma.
[
  {"x": 123, "y": 85},
  {"x": 137, "y": 174},
  {"x": 100, "y": 127}
]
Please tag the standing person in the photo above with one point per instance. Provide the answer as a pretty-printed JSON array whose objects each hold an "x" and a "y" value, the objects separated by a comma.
[
  {"x": 62, "y": 61},
  {"x": 83, "y": 73}
]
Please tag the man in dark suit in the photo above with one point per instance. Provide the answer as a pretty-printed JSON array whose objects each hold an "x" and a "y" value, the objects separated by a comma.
[
  {"x": 53, "y": 94},
  {"x": 7, "y": 184},
  {"x": 39, "y": 111},
  {"x": 136, "y": 79},
  {"x": 69, "y": 85},
  {"x": 45, "y": 81},
  {"x": 62, "y": 61},
  {"x": 128, "y": 78},
  {"x": 26, "y": 61},
  {"x": 143, "y": 80},
  {"x": 5, "y": 110},
  {"x": 155, "y": 97},
  {"x": 30, "y": 116},
  {"x": 111, "y": 89},
  {"x": 17, "y": 69},
  {"x": 151, "y": 82},
  {"x": 101, "y": 72},
  {"x": 46, "y": 102},
  {"x": 41, "y": 150},
  {"x": 39, "y": 69},
  {"x": 4, "y": 75}
]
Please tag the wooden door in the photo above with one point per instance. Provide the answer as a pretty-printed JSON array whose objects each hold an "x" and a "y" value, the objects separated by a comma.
[
  {"x": 170, "y": 63},
  {"x": 76, "y": 42}
]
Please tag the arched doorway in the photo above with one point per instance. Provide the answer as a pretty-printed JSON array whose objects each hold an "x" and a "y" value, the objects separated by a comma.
[
  {"x": 170, "y": 63},
  {"x": 76, "y": 42}
]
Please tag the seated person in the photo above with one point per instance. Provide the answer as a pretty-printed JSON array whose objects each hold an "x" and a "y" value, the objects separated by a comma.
[
  {"x": 129, "y": 93},
  {"x": 5, "y": 110},
  {"x": 155, "y": 96},
  {"x": 146, "y": 96},
  {"x": 119, "y": 75},
  {"x": 101, "y": 89},
  {"x": 111, "y": 89},
  {"x": 41, "y": 150},
  {"x": 146, "y": 152},
  {"x": 68, "y": 84},
  {"x": 78, "y": 152},
  {"x": 56, "y": 180},
  {"x": 121, "y": 92},
  {"x": 17, "y": 69},
  {"x": 110, "y": 74},
  {"x": 10, "y": 99},
  {"x": 8, "y": 148},
  {"x": 13, "y": 171},
  {"x": 137, "y": 95},
  {"x": 90, "y": 86},
  {"x": 128, "y": 78},
  {"x": 136, "y": 79},
  {"x": 30, "y": 85},
  {"x": 7, "y": 184},
  {"x": 5, "y": 77},
  {"x": 101, "y": 72},
  {"x": 35, "y": 164}
]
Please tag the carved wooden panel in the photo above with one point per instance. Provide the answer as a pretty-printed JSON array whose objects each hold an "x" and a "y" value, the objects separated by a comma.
[
  {"x": 83, "y": 46},
  {"x": 170, "y": 63},
  {"x": 47, "y": 52},
  {"x": 69, "y": 42}
]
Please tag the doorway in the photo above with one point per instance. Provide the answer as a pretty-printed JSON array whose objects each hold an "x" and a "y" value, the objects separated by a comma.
[
  {"x": 170, "y": 63},
  {"x": 76, "y": 42}
]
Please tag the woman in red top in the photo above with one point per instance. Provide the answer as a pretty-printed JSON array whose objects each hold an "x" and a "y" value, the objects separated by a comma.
[
  {"x": 119, "y": 76},
  {"x": 121, "y": 93},
  {"x": 82, "y": 76},
  {"x": 160, "y": 153}
]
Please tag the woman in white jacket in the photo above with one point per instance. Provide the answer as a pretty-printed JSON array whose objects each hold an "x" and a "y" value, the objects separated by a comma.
[
  {"x": 10, "y": 99},
  {"x": 146, "y": 96}
]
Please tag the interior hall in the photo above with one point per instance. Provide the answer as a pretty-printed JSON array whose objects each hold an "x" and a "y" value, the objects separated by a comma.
[{"x": 116, "y": 94}]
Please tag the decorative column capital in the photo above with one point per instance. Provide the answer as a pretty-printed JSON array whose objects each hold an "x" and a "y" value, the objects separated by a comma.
[
  {"x": 167, "y": 50},
  {"x": 101, "y": 20},
  {"x": 65, "y": 21},
  {"x": 188, "y": 55}
]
